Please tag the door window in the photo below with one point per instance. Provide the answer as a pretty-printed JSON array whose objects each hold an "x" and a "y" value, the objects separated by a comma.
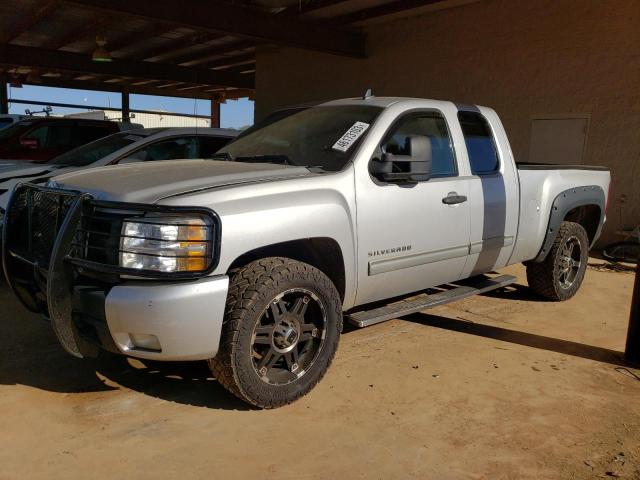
[
  {"x": 429, "y": 124},
  {"x": 170, "y": 149},
  {"x": 51, "y": 136},
  {"x": 481, "y": 148}
]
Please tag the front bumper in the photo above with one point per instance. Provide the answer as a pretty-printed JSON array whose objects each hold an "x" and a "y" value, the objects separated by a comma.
[
  {"x": 167, "y": 321},
  {"x": 60, "y": 257}
]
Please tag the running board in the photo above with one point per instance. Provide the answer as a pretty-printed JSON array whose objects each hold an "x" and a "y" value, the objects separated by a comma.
[{"x": 414, "y": 304}]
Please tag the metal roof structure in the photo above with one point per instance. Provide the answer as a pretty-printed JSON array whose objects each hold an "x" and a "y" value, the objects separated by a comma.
[{"x": 195, "y": 48}]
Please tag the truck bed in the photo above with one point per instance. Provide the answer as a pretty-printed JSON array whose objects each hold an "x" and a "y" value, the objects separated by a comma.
[{"x": 540, "y": 184}]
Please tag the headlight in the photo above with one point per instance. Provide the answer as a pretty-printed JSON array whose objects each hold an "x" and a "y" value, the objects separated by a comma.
[{"x": 167, "y": 243}]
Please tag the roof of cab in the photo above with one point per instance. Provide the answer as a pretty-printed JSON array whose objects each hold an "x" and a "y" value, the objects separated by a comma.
[
  {"x": 385, "y": 102},
  {"x": 382, "y": 102}
]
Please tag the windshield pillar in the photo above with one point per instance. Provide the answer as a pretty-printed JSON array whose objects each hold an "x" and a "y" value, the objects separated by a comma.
[
  {"x": 126, "y": 112},
  {"x": 215, "y": 113},
  {"x": 4, "y": 98}
]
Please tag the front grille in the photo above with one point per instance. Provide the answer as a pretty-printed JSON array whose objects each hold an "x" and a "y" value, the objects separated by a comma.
[
  {"x": 98, "y": 236},
  {"x": 34, "y": 220},
  {"x": 90, "y": 242},
  {"x": 36, "y": 216}
]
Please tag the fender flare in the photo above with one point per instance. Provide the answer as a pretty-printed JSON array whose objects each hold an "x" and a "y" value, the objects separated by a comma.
[{"x": 566, "y": 201}]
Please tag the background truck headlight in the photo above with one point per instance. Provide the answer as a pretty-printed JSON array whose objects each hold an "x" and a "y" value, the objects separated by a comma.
[{"x": 167, "y": 243}]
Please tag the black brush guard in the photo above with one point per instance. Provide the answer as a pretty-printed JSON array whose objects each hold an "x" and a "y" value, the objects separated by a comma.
[{"x": 54, "y": 240}]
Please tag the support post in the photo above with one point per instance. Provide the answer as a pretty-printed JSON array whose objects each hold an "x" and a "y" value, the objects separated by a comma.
[
  {"x": 632, "y": 350},
  {"x": 215, "y": 114},
  {"x": 126, "y": 113},
  {"x": 4, "y": 97}
]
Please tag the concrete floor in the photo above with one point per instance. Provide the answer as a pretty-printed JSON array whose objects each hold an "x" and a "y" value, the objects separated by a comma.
[{"x": 502, "y": 386}]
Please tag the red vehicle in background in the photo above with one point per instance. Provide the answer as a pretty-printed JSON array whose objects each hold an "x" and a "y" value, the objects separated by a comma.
[{"x": 41, "y": 139}]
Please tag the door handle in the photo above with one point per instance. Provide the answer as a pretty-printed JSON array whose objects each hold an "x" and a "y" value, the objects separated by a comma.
[{"x": 453, "y": 199}]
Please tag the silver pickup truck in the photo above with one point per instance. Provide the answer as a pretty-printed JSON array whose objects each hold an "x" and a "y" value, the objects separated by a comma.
[{"x": 364, "y": 209}]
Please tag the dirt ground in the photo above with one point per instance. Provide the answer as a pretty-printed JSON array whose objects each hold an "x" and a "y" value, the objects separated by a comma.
[{"x": 502, "y": 386}]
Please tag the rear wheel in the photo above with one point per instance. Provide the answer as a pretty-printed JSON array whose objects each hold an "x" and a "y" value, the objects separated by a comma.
[
  {"x": 560, "y": 275},
  {"x": 280, "y": 334}
]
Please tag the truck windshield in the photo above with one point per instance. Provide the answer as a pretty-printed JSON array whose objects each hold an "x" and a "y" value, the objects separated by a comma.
[
  {"x": 94, "y": 151},
  {"x": 320, "y": 137}
]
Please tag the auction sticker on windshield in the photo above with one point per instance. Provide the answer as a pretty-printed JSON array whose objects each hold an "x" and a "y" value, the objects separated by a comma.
[{"x": 350, "y": 136}]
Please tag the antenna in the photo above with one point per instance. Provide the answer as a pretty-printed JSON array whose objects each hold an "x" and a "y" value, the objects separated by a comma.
[{"x": 368, "y": 94}]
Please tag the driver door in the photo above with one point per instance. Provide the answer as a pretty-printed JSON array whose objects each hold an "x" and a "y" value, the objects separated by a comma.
[{"x": 410, "y": 235}]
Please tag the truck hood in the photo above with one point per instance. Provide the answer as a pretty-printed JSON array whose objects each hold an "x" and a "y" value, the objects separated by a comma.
[{"x": 153, "y": 181}]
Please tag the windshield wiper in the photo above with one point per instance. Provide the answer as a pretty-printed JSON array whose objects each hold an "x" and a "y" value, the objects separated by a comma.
[
  {"x": 270, "y": 158},
  {"x": 252, "y": 158},
  {"x": 223, "y": 156},
  {"x": 279, "y": 159}
]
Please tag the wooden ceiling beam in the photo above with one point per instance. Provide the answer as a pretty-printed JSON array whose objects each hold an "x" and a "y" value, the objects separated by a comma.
[
  {"x": 87, "y": 30},
  {"x": 131, "y": 39},
  {"x": 210, "y": 55},
  {"x": 230, "y": 61},
  {"x": 381, "y": 11},
  {"x": 312, "y": 6},
  {"x": 40, "y": 58},
  {"x": 222, "y": 17},
  {"x": 63, "y": 82},
  {"x": 175, "y": 47},
  {"x": 39, "y": 11}
]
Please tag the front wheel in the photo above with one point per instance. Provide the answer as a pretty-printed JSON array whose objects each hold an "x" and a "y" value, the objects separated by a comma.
[
  {"x": 560, "y": 275},
  {"x": 280, "y": 333}
]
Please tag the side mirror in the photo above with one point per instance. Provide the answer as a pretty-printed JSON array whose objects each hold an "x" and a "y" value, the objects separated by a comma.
[
  {"x": 411, "y": 168},
  {"x": 30, "y": 143}
]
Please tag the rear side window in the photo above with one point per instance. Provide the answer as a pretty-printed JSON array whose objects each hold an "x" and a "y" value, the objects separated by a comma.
[
  {"x": 51, "y": 136},
  {"x": 481, "y": 147}
]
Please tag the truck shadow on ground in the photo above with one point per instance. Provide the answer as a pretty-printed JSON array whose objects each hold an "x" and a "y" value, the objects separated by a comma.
[
  {"x": 565, "y": 347},
  {"x": 188, "y": 383},
  {"x": 30, "y": 355},
  {"x": 54, "y": 370},
  {"x": 515, "y": 291}
]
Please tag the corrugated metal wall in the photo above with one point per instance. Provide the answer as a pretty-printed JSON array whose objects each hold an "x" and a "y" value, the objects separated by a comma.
[{"x": 161, "y": 119}]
